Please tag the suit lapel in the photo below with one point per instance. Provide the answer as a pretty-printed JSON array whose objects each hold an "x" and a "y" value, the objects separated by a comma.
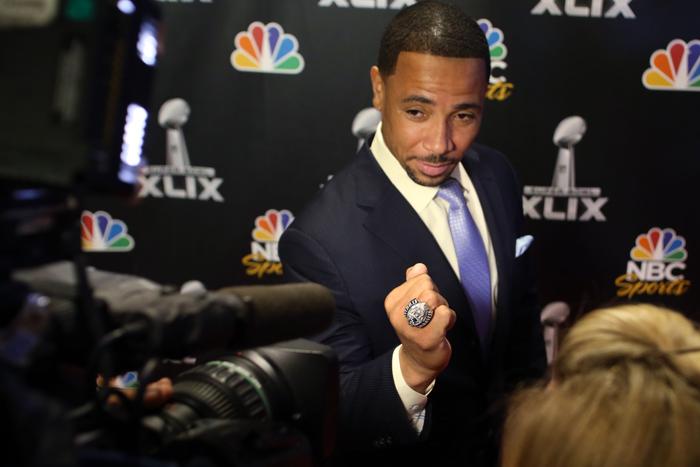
[{"x": 392, "y": 220}]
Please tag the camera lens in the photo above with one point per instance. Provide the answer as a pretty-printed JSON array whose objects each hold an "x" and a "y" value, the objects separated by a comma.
[
  {"x": 260, "y": 403},
  {"x": 243, "y": 386}
]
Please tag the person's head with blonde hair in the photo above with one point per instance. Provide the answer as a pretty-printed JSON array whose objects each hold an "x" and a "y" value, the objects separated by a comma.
[{"x": 625, "y": 393}]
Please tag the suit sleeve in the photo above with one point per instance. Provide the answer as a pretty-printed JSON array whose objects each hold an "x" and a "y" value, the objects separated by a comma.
[{"x": 371, "y": 412}]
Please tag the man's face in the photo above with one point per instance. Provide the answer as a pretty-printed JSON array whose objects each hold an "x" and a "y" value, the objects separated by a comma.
[{"x": 431, "y": 111}]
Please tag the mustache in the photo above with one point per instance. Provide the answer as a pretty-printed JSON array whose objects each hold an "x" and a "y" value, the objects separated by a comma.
[{"x": 435, "y": 159}]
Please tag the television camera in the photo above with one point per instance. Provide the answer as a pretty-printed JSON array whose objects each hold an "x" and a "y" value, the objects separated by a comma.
[{"x": 75, "y": 87}]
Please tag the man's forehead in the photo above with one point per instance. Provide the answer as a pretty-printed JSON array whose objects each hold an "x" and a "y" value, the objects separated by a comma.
[
  {"x": 416, "y": 71},
  {"x": 415, "y": 64},
  {"x": 408, "y": 56}
]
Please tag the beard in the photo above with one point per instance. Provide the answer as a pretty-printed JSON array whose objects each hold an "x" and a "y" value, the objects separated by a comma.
[
  {"x": 432, "y": 159},
  {"x": 425, "y": 180}
]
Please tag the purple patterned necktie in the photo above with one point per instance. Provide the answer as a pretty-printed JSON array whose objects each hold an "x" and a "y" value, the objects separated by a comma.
[{"x": 471, "y": 257}]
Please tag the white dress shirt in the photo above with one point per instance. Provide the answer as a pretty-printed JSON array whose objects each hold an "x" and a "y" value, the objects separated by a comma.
[{"x": 433, "y": 210}]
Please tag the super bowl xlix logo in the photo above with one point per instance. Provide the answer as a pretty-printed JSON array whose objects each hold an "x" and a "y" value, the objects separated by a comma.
[
  {"x": 585, "y": 8},
  {"x": 264, "y": 258},
  {"x": 563, "y": 200},
  {"x": 372, "y": 4},
  {"x": 178, "y": 179},
  {"x": 657, "y": 261}
]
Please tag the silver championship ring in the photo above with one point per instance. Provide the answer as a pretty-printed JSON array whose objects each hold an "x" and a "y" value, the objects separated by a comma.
[{"x": 417, "y": 313}]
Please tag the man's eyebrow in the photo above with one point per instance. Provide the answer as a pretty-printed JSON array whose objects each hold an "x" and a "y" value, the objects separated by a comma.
[
  {"x": 467, "y": 106},
  {"x": 414, "y": 98},
  {"x": 417, "y": 99}
]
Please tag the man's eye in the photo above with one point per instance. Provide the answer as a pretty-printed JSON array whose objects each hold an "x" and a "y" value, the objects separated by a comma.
[
  {"x": 414, "y": 113},
  {"x": 465, "y": 116}
]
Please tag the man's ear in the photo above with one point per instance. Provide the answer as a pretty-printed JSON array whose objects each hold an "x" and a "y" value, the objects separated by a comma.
[{"x": 377, "y": 88}]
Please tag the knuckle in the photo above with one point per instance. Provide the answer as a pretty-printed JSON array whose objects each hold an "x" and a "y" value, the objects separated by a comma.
[
  {"x": 443, "y": 315},
  {"x": 429, "y": 297},
  {"x": 425, "y": 281},
  {"x": 388, "y": 303},
  {"x": 444, "y": 311}
]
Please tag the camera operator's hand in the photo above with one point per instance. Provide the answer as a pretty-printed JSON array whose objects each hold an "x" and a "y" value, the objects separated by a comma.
[
  {"x": 425, "y": 351},
  {"x": 156, "y": 394}
]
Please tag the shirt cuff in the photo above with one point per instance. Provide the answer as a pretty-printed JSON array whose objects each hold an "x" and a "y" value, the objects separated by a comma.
[{"x": 413, "y": 401}]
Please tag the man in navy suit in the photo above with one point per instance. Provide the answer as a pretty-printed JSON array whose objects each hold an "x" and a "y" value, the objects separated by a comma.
[{"x": 424, "y": 352}]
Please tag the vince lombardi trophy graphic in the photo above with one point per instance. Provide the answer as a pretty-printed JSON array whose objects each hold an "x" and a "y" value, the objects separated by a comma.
[
  {"x": 552, "y": 317},
  {"x": 172, "y": 116},
  {"x": 568, "y": 133},
  {"x": 364, "y": 124}
]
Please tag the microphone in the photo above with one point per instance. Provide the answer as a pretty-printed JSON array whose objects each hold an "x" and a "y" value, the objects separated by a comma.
[
  {"x": 552, "y": 316},
  {"x": 162, "y": 322},
  {"x": 233, "y": 318},
  {"x": 281, "y": 312}
]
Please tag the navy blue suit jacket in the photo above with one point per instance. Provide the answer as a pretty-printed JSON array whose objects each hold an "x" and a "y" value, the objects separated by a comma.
[{"x": 357, "y": 237}]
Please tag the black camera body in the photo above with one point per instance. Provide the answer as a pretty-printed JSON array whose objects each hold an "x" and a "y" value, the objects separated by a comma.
[
  {"x": 272, "y": 405},
  {"x": 75, "y": 86}
]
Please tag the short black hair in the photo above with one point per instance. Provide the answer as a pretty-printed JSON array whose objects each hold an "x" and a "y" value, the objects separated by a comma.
[{"x": 433, "y": 28}]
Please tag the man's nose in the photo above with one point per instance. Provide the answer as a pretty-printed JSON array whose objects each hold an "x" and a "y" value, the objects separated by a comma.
[{"x": 438, "y": 141}]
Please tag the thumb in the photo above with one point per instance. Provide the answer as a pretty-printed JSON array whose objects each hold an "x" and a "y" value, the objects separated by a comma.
[{"x": 416, "y": 270}]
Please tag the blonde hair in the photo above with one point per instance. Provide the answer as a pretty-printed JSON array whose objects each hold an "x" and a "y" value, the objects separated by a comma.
[{"x": 626, "y": 393}]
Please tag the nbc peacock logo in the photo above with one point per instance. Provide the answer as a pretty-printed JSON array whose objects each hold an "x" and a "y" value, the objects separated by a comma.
[
  {"x": 100, "y": 233},
  {"x": 655, "y": 265},
  {"x": 499, "y": 89},
  {"x": 677, "y": 68},
  {"x": 264, "y": 258},
  {"x": 267, "y": 49}
]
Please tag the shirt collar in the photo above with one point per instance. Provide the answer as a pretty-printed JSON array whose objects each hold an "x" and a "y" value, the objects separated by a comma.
[{"x": 418, "y": 196}]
